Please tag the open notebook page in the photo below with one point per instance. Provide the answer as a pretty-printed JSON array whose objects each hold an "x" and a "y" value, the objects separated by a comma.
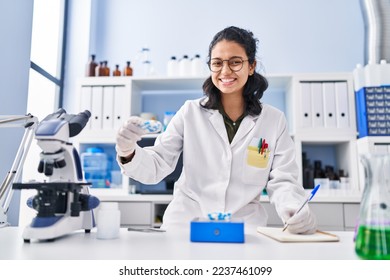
[{"x": 286, "y": 236}]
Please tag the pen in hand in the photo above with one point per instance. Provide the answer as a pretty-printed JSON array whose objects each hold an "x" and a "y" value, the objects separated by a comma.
[{"x": 313, "y": 192}]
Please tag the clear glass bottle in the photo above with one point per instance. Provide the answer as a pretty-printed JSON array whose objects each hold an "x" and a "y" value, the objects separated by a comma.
[
  {"x": 145, "y": 54},
  {"x": 373, "y": 233}
]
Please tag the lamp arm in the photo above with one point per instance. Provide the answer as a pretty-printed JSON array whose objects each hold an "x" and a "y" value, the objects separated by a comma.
[{"x": 30, "y": 123}]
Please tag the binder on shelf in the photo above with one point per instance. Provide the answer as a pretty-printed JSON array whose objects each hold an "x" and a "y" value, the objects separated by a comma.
[
  {"x": 342, "y": 103},
  {"x": 305, "y": 101},
  {"x": 86, "y": 102},
  {"x": 373, "y": 111},
  {"x": 108, "y": 107},
  {"x": 97, "y": 107},
  {"x": 329, "y": 100},
  {"x": 317, "y": 105}
]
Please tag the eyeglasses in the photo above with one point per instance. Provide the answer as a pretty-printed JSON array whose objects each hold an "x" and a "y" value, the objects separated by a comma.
[{"x": 235, "y": 64}]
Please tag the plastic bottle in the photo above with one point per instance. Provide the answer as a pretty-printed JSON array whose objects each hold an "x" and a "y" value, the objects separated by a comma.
[
  {"x": 96, "y": 166},
  {"x": 185, "y": 66},
  {"x": 91, "y": 66},
  {"x": 173, "y": 67},
  {"x": 358, "y": 77},
  {"x": 108, "y": 220},
  {"x": 116, "y": 72},
  {"x": 196, "y": 66},
  {"x": 372, "y": 74},
  {"x": 128, "y": 71}
]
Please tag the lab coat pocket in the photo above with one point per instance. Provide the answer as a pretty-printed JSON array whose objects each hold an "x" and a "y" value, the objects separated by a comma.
[
  {"x": 256, "y": 167},
  {"x": 256, "y": 158}
]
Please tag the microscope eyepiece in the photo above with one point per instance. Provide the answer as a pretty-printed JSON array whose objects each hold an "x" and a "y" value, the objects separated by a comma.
[{"x": 78, "y": 122}]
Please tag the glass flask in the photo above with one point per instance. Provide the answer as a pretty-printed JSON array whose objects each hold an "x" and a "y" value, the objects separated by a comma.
[{"x": 373, "y": 234}]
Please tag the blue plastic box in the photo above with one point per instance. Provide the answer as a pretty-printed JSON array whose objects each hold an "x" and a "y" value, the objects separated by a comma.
[
  {"x": 373, "y": 111},
  {"x": 203, "y": 230}
]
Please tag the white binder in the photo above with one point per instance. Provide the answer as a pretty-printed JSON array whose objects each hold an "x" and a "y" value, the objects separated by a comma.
[
  {"x": 329, "y": 99},
  {"x": 305, "y": 119},
  {"x": 86, "y": 102},
  {"x": 97, "y": 107},
  {"x": 317, "y": 105},
  {"x": 108, "y": 107},
  {"x": 342, "y": 104},
  {"x": 119, "y": 106}
]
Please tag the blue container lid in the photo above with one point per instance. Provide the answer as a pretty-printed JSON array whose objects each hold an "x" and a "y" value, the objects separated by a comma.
[{"x": 94, "y": 150}]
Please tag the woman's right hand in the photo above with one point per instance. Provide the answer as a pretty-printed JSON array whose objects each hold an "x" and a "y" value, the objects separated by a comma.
[{"x": 128, "y": 135}]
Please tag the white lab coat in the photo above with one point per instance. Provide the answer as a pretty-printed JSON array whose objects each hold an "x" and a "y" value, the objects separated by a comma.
[{"x": 215, "y": 175}]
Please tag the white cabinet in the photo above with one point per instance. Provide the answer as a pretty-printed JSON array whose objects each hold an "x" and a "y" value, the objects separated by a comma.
[
  {"x": 330, "y": 215},
  {"x": 351, "y": 215},
  {"x": 138, "y": 210}
]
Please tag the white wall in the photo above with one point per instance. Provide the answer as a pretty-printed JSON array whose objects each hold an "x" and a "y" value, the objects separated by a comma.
[
  {"x": 77, "y": 49},
  {"x": 15, "y": 34},
  {"x": 295, "y": 36}
]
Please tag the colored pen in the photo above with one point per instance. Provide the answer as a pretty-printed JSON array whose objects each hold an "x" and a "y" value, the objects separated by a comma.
[
  {"x": 262, "y": 146},
  {"x": 265, "y": 150},
  {"x": 259, "y": 145},
  {"x": 313, "y": 192}
]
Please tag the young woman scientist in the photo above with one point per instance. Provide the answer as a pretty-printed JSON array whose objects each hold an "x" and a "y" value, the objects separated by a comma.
[{"x": 233, "y": 146}]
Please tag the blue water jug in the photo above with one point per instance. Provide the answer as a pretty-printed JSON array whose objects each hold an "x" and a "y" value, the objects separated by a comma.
[{"x": 96, "y": 167}]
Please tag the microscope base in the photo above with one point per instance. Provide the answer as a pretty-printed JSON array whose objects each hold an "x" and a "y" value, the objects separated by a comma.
[{"x": 65, "y": 225}]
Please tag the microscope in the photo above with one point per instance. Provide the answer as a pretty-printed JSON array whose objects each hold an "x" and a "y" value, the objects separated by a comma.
[{"x": 62, "y": 202}]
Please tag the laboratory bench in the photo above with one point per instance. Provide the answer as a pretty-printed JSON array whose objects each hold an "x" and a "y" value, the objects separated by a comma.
[{"x": 174, "y": 244}]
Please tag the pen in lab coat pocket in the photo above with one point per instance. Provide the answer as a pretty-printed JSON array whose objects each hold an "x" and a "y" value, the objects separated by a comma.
[{"x": 260, "y": 145}]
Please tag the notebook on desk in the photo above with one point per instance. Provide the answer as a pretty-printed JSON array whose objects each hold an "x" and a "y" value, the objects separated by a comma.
[{"x": 286, "y": 236}]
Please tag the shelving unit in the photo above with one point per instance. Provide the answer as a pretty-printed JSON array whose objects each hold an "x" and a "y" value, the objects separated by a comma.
[
  {"x": 128, "y": 94},
  {"x": 137, "y": 210},
  {"x": 338, "y": 125}
]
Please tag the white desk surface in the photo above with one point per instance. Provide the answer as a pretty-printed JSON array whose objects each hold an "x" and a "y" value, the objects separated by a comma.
[{"x": 172, "y": 245}]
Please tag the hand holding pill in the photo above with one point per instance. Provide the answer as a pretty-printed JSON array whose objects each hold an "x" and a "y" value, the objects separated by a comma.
[
  {"x": 131, "y": 132},
  {"x": 128, "y": 135}
]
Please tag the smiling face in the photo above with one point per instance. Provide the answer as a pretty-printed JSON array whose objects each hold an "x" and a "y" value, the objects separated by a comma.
[{"x": 228, "y": 81}]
